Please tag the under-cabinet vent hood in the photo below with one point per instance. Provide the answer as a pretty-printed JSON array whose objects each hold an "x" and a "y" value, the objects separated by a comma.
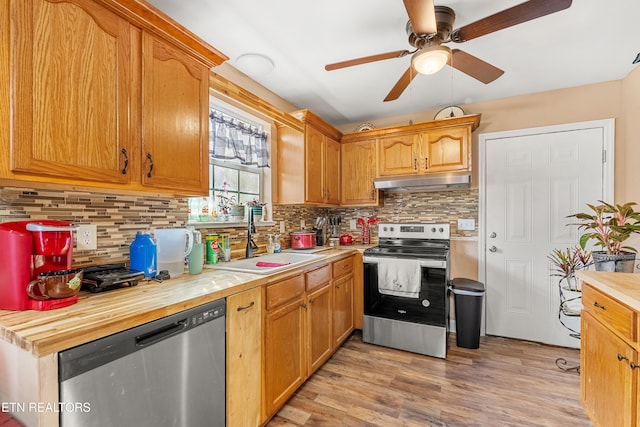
[{"x": 430, "y": 182}]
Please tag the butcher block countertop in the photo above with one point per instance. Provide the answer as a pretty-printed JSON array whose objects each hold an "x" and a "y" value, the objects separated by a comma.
[
  {"x": 625, "y": 287},
  {"x": 101, "y": 314}
]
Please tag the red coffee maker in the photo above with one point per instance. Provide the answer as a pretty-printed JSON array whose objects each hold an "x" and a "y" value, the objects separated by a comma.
[{"x": 30, "y": 248}]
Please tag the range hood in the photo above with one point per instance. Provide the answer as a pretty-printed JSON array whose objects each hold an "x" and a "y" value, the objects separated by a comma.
[{"x": 421, "y": 183}]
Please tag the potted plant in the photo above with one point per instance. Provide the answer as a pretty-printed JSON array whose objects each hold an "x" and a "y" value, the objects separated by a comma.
[
  {"x": 566, "y": 263},
  {"x": 610, "y": 225},
  {"x": 257, "y": 206},
  {"x": 225, "y": 200}
]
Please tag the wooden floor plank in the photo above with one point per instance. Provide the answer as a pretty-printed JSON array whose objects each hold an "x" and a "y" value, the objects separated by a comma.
[{"x": 505, "y": 382}]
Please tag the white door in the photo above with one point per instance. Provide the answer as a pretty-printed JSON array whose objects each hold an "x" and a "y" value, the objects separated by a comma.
[{"x": 531, "y": 180}]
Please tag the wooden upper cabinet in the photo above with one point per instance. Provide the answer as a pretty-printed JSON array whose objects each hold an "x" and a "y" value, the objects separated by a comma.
[
  {"x": 314, "y": 165},
  {"x": 445, "y": 149},
  {"x": 399, "y": 154},
  {"x": 358, "y": 169},
  {"x": 96, "y": 86},
  {"x": 332, "y": 171},
  {"x": 71, "y": 91},
  {"x": 429, "y": 147},
  {"x": 175, "y": 107},
  {"x": 317, "y": 147}
]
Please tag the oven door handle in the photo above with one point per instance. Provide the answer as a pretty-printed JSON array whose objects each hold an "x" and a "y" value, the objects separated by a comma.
[{"x": 429, "y": 263}]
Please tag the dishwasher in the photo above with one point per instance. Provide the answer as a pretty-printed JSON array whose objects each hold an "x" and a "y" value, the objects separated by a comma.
[{"x": 169, "y": 372}]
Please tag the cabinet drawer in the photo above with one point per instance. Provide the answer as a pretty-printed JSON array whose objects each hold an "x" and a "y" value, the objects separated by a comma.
[
  {"x": 318, "y": 277},
  {"x": 284, "y": 291},
  {"x": 610, "y": 312},
  {"x": 342, "y": 267}
]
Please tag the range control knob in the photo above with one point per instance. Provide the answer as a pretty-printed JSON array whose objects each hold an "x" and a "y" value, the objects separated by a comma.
[
  {"x": 384, "y": 228},
  {"x": 391, "y": 228},
  {"x": 441, "y": 230},
  {"x": 433, "y": 229}
]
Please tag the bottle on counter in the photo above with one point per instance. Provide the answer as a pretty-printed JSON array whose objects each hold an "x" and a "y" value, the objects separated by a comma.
[
  {"x": 143, "y": 255},
  {"x": 277, "y": 246},
  {"x": 270, "y": 244}
]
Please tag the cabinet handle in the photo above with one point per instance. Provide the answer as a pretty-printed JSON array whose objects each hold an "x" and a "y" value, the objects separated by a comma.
[
  {"x": 311, "y": 301},
  {"x": 337, "y": 286},
  {"x": 150, "y": 165},
  {"x": 373, "y": 193},
  {"x": 633, "y": 366},
  {"x": 126, "y": 161},
  {"x": 621, "y": 358},
  {"x": 303, "y": 306},
  {"x": 247, "y": 307},
  {"x": 595, "y": 304},
  {"x": 426, "y": 163},
  {"x": 415, "y": 164}
]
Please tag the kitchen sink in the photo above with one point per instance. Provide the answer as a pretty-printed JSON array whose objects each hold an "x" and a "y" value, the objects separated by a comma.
[{"x": 272, "y": 263}]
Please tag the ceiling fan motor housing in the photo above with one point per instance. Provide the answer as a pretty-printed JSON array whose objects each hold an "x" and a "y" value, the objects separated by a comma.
[{"x": 445, "y": 17}]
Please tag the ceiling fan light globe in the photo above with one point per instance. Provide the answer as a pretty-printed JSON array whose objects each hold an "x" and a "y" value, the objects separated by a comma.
[{"x": 430, "y": 60}]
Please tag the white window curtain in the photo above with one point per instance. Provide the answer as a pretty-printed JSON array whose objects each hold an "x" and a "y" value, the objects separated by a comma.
[{"x": 232, "y": 138}]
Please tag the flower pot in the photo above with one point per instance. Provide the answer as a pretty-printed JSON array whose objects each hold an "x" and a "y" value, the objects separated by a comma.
[
  {"x": 237, "y": 212},
  {"x": 621, "y": 263}
]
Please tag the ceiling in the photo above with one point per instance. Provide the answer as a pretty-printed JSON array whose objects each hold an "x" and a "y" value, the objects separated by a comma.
[{"x": 592, "y": 41}]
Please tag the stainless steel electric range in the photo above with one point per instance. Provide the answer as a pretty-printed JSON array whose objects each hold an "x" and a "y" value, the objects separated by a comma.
[{"x": 406, "y": 277}]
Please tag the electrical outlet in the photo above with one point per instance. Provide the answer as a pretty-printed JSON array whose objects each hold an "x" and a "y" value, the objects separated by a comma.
[
  {"x": 87, "y": 237},
  {"x": 281, "y": 227},
  {"x": 467, "y": 224},
  {"x": 353, "y": 224},
  {"x": 303, "y": 224}
]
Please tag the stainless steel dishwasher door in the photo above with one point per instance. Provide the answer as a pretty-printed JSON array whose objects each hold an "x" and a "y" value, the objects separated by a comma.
[{"x": 169, "y": 372}]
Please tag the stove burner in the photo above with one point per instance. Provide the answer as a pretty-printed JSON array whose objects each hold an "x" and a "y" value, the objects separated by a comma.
[{"x": 110, "y": 276}]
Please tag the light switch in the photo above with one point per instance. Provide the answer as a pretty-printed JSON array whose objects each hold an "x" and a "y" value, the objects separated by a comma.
[{"x": 467, "y": 224}]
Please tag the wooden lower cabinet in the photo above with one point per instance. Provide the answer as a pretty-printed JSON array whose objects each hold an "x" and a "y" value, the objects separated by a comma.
[
  {"x": 319, "y": 317},
  {"x": 342, "y": 308},
  {"x": 610, "y": 376},
  {"x": 244, "y": 358},
  {"x": 306, "y": 319},
  {"x": 284, "y": 351}
]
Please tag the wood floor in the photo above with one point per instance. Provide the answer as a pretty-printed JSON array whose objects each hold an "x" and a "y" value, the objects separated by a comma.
[{"x": 504, "y": 383}]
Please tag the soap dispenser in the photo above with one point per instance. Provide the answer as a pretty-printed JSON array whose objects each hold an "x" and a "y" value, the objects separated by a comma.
[
  {"x": 270, "y": 244},
  {"x": 277, "y": 246}
]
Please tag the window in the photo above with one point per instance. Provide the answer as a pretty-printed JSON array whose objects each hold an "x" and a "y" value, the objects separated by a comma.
[{"x": 239, "y": 171}]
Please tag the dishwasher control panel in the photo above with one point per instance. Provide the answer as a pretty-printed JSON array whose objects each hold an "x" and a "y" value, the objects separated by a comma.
[{"x": 207, "y": 316}]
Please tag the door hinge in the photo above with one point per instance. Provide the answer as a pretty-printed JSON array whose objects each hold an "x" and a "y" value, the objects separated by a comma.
[{"x": 604, "y": 156}]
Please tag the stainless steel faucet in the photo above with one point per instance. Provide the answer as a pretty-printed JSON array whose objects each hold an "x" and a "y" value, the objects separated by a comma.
[{"x": 251, "y": 228}]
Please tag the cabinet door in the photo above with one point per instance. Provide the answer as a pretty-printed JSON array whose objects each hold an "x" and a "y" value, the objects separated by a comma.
[
  {"x": 314, "y": 165},
  {"x": 398, "y": 155},
  {"x": 358, "y": 165},
  {"x": 332, "y": 171},
  {"x": 244, "y": 355},
  {"x": 319, "y": 327},
  {"x": 175, "y": 119},
  {"x": 342, "y": 308},
  {"x": 606, "y": 377},
  {"x": 445, "y": 150},
  {"x": 284, "y": 351},
  {"x": 71, "y": 90}
]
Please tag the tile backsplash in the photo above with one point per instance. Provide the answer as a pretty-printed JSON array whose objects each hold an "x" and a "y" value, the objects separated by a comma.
[{"x": 119, "y": 217}]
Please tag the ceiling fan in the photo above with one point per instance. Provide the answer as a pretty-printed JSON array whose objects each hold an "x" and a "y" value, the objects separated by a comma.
[{"x": 430, "y": 27}]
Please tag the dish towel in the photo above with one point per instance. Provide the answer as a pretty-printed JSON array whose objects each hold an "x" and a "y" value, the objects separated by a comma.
[{"x": 399, "y": 277}]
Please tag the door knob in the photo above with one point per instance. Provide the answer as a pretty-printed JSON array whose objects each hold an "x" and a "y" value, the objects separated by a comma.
[
  {"x": 493, "y": 235},
  {"x": 492, "y": 249}
]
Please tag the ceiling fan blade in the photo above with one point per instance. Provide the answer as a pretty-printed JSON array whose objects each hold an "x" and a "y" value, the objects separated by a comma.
[
  {"x": 474, "y": 67},
  {"x": 515, "y": 15},
  {"x": 401, "y": 85},
  {"x": 366, "y": 59},
  {"x": 422, "y": 16}
]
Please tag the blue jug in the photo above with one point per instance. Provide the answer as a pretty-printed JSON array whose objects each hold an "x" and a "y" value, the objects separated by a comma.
[{"x": 143, "y": 255}]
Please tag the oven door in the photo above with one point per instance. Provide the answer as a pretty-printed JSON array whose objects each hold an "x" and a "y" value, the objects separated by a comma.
[{"x": 430, "y": 308}]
